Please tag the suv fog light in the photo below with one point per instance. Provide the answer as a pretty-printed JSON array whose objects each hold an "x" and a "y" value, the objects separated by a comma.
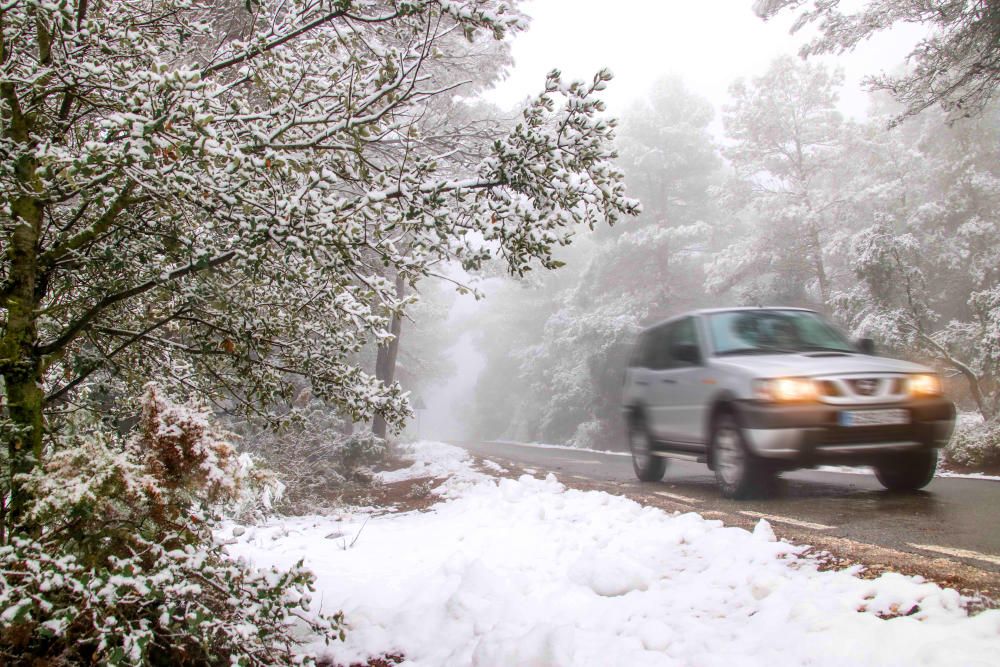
[
  {"x": 786, "y": 389},
  {"x": 925, "y": 385}
]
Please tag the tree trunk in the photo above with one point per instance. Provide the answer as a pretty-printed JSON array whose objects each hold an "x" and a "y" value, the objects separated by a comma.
[
  {"x": 20, "y": 361},
  {"x": 22, "y": 367},
  {"x": 975, "y": 382},
  {"x": 385, "y": 362},
  {"x": 812, "y": 239},
  {"x": 821, "y": 278}
]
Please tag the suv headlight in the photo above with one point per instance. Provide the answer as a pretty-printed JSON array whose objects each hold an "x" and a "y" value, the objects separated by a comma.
[
  {"x": 786, "y": 390},
  {"x": 925, "y": 384}
]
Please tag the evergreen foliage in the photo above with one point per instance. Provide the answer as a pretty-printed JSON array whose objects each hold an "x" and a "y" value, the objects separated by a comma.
[
  {"x": 956, "y": 66},
  {"x": 123, "y": 569}
]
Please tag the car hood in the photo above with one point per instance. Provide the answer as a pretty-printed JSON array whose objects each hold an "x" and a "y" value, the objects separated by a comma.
[{"x": 777, "y": 365}]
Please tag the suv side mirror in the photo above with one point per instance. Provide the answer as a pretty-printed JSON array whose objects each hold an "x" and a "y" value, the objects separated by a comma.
[
  {"x": 686, "y": 353},
  {"x": 866, "y": 346}
]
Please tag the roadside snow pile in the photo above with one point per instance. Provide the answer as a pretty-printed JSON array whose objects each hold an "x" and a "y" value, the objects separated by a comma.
[
  {"x": 968, "y": 475},
  {"x": 526, "y": 572},
  {"x": 571, "y": 448},
  {"x": 941, "y": 472},
  {"x": 435, "y": 459}
]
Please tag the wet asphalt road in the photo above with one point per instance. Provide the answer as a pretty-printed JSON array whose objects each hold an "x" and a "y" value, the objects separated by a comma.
[{"x": 952, "y": 518}]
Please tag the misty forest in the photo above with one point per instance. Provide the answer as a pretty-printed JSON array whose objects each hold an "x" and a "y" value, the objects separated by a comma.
[
  {"x": 891, "y": 232},
  {"x": 253, "y": 248},
  {"x": 887, "y": 225}
]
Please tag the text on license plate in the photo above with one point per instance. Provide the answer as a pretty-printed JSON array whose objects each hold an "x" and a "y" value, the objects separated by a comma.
[{"x": 874, "y": 417}]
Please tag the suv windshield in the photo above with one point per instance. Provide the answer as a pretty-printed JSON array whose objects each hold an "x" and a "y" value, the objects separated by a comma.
[{"x": 774, "y": 331}]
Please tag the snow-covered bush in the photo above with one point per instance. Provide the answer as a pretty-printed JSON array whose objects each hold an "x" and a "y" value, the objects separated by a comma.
[
  {"x": 976, "y": 443},
  {"x": 120, "y": 566},
  {"x": 317, "y": 463},
  {"x": 595, "y": 435}
]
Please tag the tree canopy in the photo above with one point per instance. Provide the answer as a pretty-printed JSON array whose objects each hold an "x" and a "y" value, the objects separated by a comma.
[
  {"x": 956, "y": 66},
  {"x": 214, "y": 194}
]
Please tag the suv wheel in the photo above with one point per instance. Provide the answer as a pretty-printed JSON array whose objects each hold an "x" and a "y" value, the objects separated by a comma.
[
  {"x": 648, "y": 468},
  {"x": 737, "y": 472},
  {"x": 908, "y": 472}
]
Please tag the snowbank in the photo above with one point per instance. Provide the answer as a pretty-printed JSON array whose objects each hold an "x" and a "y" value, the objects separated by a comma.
[
  {"x": 941, "y": 472},
  {"x": 433, "y": 459},
  {"x": 526, "y": 572}
]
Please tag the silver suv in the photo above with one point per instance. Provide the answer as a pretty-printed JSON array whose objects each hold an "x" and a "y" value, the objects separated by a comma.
[{"x": 755, "y": 391}]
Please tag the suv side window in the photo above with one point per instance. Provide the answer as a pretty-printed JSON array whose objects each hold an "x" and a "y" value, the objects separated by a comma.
[
  {"x": 659, "y": 341},
  {"x": 684, "y": 348},
  {"x": 641, "y": 354},
  {"x": 656, "y": 348}
]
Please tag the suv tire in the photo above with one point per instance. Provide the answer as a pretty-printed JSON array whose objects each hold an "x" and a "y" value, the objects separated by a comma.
[
  {"x": 738, "y": 472},
  {"x": 648, "y": 468},
  {"x": 909, "y": 472}
]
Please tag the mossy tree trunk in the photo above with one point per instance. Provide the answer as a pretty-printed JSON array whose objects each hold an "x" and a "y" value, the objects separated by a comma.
[{"x": 20, "y": 361}]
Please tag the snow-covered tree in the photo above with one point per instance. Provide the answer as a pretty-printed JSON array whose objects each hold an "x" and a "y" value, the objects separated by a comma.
[
  {"x": 928, "y": 260},
  {"x": 668, "y": 155},
  {"x": 570, "y": 335},
  {"x": 211, "y": 193},
  {"x": 956, "y": 66},
  {"x": 785, "y": 134},
  {"x": 460, "y": 130}
]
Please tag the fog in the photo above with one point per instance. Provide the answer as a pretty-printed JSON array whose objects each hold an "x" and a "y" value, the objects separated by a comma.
[
  {"x": 447, "y": 400},
  {"x": 708, "y": 44}
]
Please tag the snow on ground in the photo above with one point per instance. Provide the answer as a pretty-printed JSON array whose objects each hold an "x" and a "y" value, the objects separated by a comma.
[
  {"x": 540, "y": 445},
  {"x": 527, "y": 572},
  {"x": 867, "y": 470},
  {"x": 434, "y": 459},
  {"x": 968, "y": 475}
]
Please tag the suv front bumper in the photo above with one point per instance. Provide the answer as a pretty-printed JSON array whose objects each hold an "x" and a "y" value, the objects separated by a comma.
[{"x": 811, "y": 435}]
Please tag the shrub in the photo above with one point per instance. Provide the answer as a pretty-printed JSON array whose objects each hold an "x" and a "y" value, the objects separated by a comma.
[
  {"x": 317, "y": 462},
  {"x": 116, "y": 564},
  {"x": 597, "y": 434},
  {"x": 976, "y": 443}
]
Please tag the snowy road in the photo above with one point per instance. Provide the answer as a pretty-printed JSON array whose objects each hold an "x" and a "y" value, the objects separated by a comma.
[{"x": 954, "y": 518}]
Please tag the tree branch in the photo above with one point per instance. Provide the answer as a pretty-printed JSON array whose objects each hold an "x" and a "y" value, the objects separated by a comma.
[
  {"x": 964, "y": 369},
  {"x": 65, "y": 389},
  {"x": 48, "y": 258},
  {"x": 250, "y": 54},
  {"x": 76, "y": 327}
]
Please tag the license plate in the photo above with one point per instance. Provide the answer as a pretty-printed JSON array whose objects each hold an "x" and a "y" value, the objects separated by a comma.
[{"x": 874, "y": 417}]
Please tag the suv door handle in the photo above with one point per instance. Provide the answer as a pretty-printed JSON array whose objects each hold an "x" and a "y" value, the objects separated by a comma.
[
  {"x": 641, "y": 383},
  {"x": 668, "y": 381}
]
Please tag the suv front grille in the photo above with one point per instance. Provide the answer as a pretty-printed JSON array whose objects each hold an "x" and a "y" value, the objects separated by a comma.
[{"x": 861, "y": 389}]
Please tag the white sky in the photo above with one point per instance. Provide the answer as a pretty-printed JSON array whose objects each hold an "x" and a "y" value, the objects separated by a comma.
[{"x": 707, "y": 43}]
